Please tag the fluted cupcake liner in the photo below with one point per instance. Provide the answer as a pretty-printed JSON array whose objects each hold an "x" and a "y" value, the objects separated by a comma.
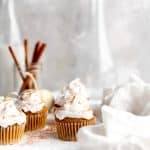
[
  {"x": 11, "y": 134},
  {"x": 68, "y": 127},
  {"x": 36, "y": 120}
]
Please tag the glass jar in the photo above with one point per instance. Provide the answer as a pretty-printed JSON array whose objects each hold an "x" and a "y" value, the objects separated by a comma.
[{"x": 38, "y": 69}]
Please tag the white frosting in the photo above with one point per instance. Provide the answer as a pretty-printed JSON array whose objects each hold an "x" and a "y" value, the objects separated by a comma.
[
  {"x": 9, "y": 114},
  {"x": 74, "y": 88},
  {"x": 74, "y": 102},
  {"x": 31, "y": 101}
]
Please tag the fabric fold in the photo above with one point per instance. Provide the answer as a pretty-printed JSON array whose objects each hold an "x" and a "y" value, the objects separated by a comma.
[{"x": 126, "y": 120}]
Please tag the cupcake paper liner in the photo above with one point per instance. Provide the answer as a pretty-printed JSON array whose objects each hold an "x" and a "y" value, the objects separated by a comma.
[
  {"x": 11, "y": 134},
  {"x": 36, "y": 120},
  {"x": 68, "y": 127}
]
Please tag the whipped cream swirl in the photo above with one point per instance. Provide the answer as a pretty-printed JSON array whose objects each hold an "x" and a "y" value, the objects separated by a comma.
[
  {"x": 9, "y": 114},
  {"x": 31, "y": 101},
  {"x": 73, "y": 102}
]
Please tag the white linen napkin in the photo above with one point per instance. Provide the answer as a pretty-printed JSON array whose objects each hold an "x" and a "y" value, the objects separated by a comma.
[
  {"x": 94, "y": 137},
  {"x": 126, "y": 121},
  {"x": 133, "y": 96},
  {"x": 120, "y": 124}
]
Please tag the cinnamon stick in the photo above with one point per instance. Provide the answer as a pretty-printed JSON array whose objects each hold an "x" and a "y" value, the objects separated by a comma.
[
  {"x": 16, "y": 62},
  {"x": 26, "y": 53},
  {"x": 38, "y": 51},
  {"x": 25, "y": 84},
  {"x": 36, "y": 48}
]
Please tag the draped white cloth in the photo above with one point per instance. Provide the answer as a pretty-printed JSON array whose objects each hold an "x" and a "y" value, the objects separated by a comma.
[{"x": 126, "y": 121}]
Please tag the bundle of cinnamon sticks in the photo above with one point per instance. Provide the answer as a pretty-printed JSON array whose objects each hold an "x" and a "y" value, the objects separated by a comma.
[{"x": 30, "y": 67}]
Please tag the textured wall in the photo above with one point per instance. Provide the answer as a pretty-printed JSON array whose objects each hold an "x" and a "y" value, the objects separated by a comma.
[
  {"x": 70, "y": 29},
  {"x": 128, "y": 30}
]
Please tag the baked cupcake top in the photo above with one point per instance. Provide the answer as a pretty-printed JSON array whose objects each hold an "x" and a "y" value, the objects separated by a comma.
[
  {"x": 9, "y": 114},
  {"x": 73, "y": 102},
  {"x": 31, "y": 101}
]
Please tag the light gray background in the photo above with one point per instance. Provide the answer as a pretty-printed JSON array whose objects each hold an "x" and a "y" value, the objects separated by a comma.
[{"x": 70, "y": 28}]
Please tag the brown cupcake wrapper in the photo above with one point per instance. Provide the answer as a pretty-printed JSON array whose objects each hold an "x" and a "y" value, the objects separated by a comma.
[
  {"x": 68, "y": 128},
  {"x": 36, "y": 120},
  {"x": 11, "y": 134}
]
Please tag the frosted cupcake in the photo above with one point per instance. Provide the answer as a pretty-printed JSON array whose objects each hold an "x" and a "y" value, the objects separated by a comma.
[
  {"x": 34, "y": 108},
  {"x": 73, "y": 111},
  {"x": 12, "y": 122}
]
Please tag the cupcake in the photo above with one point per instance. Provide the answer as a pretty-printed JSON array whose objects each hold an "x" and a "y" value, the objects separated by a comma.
[
  {"x": 12, "y": 122},
  {"x": 34, "y": 108},
  {"x": 72, "y": 111}
]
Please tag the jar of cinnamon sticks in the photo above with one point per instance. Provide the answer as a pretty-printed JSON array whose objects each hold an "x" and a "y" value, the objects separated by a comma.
[{"x": 29, "y": 73}]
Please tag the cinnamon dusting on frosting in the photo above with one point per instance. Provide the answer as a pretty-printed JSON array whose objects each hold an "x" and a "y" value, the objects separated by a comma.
[
  {"x": 73, "y": 102},
  {"x": 9, "y": 114},
  {"x": 31, "y": 101}
]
